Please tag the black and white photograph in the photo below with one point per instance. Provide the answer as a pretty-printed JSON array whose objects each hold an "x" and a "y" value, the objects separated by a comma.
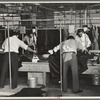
[{"x": 50, "y": 49}]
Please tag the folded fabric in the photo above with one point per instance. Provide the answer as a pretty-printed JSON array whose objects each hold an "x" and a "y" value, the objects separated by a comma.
[{"x": 29, "y": 92}]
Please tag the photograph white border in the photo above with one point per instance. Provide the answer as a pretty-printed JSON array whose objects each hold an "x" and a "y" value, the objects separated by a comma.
[{"x": 49, "y": 98}]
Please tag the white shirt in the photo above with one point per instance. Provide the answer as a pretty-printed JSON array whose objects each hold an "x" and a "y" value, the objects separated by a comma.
[
  {"x": 68, "y": 46},
  {"x": 84, "y": 40},
  {"x": 15, "y": 43}
]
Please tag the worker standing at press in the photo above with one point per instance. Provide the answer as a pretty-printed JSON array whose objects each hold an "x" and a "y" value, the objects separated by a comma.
[
  {"x": 15, "y": 43},
  {"x": 68, "y": 51}
]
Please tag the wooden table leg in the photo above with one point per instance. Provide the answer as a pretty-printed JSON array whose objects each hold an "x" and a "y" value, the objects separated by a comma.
[{"x": 44, "y": 78}]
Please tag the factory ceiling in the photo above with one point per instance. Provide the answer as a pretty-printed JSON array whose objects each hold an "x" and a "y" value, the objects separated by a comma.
[{"x": 22, "y": 8}]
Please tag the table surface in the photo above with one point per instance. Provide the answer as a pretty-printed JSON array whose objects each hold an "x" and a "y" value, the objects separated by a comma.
[
  {"x": 36, "y": 67},
  {"x": 46, "y": 62},
  {"x": 94, "y": 51}
]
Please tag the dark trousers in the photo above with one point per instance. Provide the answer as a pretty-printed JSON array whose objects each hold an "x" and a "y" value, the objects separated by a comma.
[
  {"x": 70, "y": 60},
  {"x": 82, "y": 58},
  {"x": 5, "y": 68}
]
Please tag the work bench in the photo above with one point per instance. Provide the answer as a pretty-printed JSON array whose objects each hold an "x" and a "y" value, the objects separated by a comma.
[
  {"x": 93, "y": 66},
  {"x": 38, "y": 70}
]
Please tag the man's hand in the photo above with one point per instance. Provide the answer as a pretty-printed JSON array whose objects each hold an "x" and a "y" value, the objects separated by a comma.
[
  {"x": 50, "y": 51},
  {"x": 34, "y": 51}
]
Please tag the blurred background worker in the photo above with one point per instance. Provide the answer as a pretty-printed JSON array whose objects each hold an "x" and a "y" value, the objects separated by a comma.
[
  {"x": 15, "y": 44},
  {"x": 31, "y": 39},
  {"x": 83, "y": 38}
]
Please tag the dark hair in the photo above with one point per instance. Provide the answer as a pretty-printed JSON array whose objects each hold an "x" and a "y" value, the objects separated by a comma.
[
  {"x": 71, "y": 37},
  {"x": 80, "y": 30},
  {"x": 15, "y": 33},
  {"x": 85, "y": 26},
  {"x": 33, "y": 27}
]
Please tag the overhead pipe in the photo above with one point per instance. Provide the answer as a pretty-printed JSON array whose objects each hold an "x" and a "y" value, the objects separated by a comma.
[{"x": 55, "y": 19}]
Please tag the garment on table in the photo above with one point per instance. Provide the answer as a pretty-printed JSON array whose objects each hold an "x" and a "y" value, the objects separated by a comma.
[
  {"x": 30, "y": 92},
  {"x": 54, "y": 64},
  {"x": 54, "y": 59}
]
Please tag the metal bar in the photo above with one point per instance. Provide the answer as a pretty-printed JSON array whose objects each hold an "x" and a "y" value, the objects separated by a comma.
[
  {"x": 85, "y": 17},
  {"x": 53, "y": 19},
  {"x": 60, "y": 58},
  {"x": 90, "y": 7},
  {"x": 9, "y": 57}
]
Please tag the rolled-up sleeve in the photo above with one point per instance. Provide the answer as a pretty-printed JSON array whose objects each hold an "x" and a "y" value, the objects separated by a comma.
[
  {"x": 56, "y": 48},
  {"x": 3, "y": 45}
]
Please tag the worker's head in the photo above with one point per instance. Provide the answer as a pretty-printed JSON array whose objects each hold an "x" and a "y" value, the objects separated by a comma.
[
  {"x": 16, "y": 33},
  {"x": 80, "y": 32},
  {"x": 30, "y": 35},
  {"x": 85, "y": 28}
]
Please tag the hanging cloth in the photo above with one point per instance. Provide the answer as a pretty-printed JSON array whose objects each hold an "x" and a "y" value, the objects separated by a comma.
[
  {"x": 96, "y": 45},
  {"x": 99, "y": 37}
]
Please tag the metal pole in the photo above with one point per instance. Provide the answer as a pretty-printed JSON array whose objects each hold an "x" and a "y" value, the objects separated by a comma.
[
  {"x": 5, "y": 28},
  {"x": 39, "y": 20},
  {"x": 9, "y": 56},
  {"x": 85, "y": 24},
  {"x": 85, "y": 17},
  {"x": 60, "y": 58}
]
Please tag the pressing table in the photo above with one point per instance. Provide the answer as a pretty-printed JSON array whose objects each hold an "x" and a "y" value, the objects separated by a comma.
[
  {"x": 93, "y": 68},
  {"x": 38, "y": 69}
]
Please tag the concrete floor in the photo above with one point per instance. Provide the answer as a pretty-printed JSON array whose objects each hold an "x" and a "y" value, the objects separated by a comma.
[{"x": 53, "y": 88}]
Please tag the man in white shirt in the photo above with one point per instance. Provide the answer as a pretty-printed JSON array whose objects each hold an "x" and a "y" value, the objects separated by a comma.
[
  {"x": 69, "y": 50},
  {"x": 15, "y": 43},
  {"x": 83, "y": 38}
]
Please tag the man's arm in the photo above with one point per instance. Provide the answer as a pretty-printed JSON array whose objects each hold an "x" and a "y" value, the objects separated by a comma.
[
  {"x": 31, "y": 50},
  {"x": 88, "y": 41},
  {"x": 55, "y": 49},
  {"x": 26, "y": 47}
]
